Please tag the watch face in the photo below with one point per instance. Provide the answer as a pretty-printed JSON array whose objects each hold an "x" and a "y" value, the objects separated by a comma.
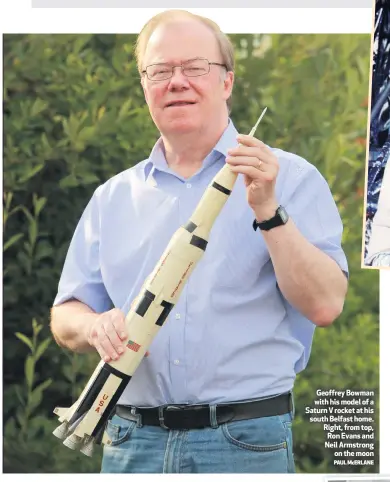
[{"x": 283, "y": 215}]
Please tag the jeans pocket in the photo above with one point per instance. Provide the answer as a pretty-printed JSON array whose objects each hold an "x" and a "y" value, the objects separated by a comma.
[
  {"x": 119, "y": 430},
  {"x": 266, "y": 434}
]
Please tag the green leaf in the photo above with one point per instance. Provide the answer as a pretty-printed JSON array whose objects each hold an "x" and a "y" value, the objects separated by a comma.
[
  {"x": 29, "y": 367},
  {"x": 45, "y": 142},
  {"x": 15, "y": 210},
  {"x": 25, "y": 340},
  {"x": 14, "y": 239},
  {"x": 31, "y": 173},
  {"x": 86, "y": 133},
  {"x": 36, "y": 395},
  {"x": 42, "y": 386},
  {"x": 42, "y": 347},
  {"x": 20, "y": 417},
  {"x": 27, "y": 214},
  {"x": 19, "y": 395},
  {"x": 38, "y": 107},
  {"x": 10, "y": 429},
  {"x": 88, "y": 178},
  {"x": 124, "y": 110},
  {"x": 43, "y": 250},
  {"x": 68, "y": 372},
  {"x": 33, "y": 232},
  {"x": 24, "y": 261},
  {"x": 8, "y": 199},
  {"x": 69, "y": 181},
  {"x": 36, "y": 327},
  {"x": 39, "y": 204}
]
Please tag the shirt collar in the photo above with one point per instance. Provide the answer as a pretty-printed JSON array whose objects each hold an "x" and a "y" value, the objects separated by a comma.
[{"x": 157, "y": 159}]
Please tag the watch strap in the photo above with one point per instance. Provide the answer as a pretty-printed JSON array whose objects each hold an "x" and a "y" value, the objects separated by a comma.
[{"x": 280, "y": 218}]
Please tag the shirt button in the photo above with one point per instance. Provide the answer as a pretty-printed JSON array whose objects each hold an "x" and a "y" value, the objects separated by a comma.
[
  {"x": 189, "y": 185},
  {"x": 177, "y": 316},
  {"x": 176, "y": 362}
]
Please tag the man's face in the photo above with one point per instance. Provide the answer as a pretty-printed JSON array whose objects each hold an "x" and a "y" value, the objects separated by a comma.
[{"x": 207, "y": 94}]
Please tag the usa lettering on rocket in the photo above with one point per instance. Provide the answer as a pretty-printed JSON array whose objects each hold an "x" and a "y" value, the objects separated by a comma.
[{"x": 83, "y": 424}]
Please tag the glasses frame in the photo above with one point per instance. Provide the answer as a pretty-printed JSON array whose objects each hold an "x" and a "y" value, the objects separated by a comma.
[{"x": 145, "y": 71}]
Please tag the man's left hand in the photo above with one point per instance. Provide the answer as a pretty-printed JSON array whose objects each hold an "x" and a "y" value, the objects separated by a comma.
[{"x": 260, "y": 167}]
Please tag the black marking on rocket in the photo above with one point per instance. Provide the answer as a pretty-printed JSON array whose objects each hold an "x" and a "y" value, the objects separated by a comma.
[
  {"x": 217, "y": 186},
  {"x": 198, "y": 242},
  {"x": 95, "y": 388},
  {"x": 99, "y": 436},
  {"x": 190, "y": 227},
  {"x": 99, "y": 429},
  {"x": 145, "y": 302},
  {"x": 116, "y": 372},
  {"x": 165, "y": 312}
]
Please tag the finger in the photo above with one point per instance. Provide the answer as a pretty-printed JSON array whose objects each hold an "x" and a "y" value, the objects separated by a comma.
[
  {"x": 113, "y": 337},
  {"x": 94, "y": 338},
  {"x": 102, "y": 354},
  {"x": 95, "y": 342},
  {"x": 247, "y": 140},
  {"x": 253, "y": 173},
  {"x": 249, "y": 151},
  {"x": 106, "y": 345},
  {"x": 118, "y": 320},
  {"x": 147, "y": 354},
  {"x": 246, "y": 161}
]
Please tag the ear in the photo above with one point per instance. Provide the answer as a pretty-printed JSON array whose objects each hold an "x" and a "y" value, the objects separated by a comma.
[{"x": 228, "y": 84}]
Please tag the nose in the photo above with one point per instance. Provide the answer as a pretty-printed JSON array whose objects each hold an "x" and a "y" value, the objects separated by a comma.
[{"x": 178, "y": 79}]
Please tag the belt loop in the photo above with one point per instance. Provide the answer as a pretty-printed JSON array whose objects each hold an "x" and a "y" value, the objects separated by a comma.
[
  {"x": 213, "y": 416},
  {"x": 161, "y": 417},
  {"x": 138, "y": 416},
  {"x": 292, "y": 404}
]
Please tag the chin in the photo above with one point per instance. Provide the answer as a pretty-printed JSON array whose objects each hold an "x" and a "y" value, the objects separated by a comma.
[{"x": 180, "y": 125}]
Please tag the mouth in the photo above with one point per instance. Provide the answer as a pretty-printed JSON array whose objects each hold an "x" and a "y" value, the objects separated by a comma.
[{"x": 179, "y": 103}]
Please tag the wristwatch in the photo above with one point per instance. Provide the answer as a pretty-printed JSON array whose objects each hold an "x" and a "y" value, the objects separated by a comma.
[{"x": 280, "y": 218}]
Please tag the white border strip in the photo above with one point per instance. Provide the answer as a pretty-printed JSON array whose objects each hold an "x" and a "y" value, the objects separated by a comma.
[
  {"x": 202, "y": 3},
  {"x": 231, "y": 20}
]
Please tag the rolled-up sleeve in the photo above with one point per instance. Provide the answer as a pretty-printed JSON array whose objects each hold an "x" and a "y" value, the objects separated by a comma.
[
  {"x": 81, "y": 277},
  {"x": 309, "y": 201}
]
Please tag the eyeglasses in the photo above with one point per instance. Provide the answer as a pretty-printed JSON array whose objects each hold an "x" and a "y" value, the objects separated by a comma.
[{"x": 190, "y": 68}]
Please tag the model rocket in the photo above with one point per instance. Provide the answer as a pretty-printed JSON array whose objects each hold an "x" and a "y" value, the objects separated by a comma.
[{"x": 83, "y": 424}]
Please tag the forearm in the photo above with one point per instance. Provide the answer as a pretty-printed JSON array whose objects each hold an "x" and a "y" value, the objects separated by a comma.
[
  {"x": 70, "y": 324},
  {"x": 308, "y": 278}
]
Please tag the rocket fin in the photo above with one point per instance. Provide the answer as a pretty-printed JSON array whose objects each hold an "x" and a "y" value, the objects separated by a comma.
[
  {"x": 106, "y": 439},
  {"x": 60, "y": 411}
]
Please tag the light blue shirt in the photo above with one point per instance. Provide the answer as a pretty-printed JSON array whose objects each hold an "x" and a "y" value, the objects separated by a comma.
[{"x": 232, "y": 335}]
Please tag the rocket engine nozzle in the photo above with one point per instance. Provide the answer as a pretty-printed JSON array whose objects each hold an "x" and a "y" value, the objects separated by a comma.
[
  {"x": 88, "y": 447},
  {"x": 61, "y": 431},
  {"x": 73, "y": 441}
]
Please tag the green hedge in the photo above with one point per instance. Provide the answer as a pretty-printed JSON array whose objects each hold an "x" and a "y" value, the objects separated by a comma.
[{"x": 74, "y": 115}]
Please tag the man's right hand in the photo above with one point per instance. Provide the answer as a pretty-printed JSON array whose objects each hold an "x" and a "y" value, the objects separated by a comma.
[{"x": 107, "y": 334}]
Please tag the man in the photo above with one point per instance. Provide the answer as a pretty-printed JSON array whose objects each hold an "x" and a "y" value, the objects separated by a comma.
[{"x": 214, "y": 394}]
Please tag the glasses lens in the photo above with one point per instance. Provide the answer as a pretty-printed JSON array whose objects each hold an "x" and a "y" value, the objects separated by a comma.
[
  {"x": 159, "y": 71},
  {"x": 196, "y": 67}
]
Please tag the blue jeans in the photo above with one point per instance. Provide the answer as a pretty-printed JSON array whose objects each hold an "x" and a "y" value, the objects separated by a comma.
[{"x": 261, "y": 445}]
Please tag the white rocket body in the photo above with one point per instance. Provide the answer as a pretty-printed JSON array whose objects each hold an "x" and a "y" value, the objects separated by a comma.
[{"x": 84, "y": 422}]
